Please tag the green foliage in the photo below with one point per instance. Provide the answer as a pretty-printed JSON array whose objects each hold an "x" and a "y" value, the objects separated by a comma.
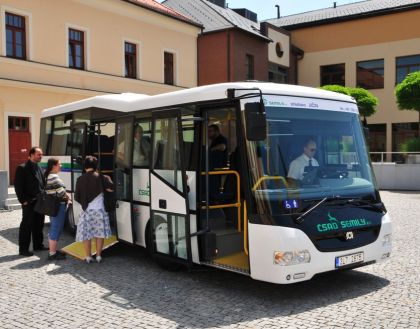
[
  {"x": 337, "y": 89},
  {"x": 408, "y": 92},
  {"x": 411, "y": 145},
  {"x": 366, "y": 102}
]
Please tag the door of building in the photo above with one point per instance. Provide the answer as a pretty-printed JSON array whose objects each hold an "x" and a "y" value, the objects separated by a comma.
[{"x": 19, "y": 143}]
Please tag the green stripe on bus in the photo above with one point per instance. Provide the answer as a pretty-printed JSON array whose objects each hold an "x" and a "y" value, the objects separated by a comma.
[{"x": 66, "y": 166}]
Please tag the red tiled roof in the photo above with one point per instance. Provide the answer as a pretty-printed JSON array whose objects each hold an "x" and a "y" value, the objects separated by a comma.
[{"x": 158, "y": 7}]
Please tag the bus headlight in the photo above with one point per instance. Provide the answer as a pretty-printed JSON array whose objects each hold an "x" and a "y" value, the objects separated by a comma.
[
  {"x": 386, "y": 239},
  {"x": 286, "y": 258}
]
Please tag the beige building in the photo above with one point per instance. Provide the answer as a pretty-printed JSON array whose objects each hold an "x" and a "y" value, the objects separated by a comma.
[
  {"x": 371, "y": 44},
  {"x": 52, "y": 52}
]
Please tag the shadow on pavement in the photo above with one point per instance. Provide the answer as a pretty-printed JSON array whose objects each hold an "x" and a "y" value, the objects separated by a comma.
[{"x": 202, "y": 297}]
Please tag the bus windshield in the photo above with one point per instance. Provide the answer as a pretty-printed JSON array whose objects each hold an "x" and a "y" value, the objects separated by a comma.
[{"x": 309, "y": 154}]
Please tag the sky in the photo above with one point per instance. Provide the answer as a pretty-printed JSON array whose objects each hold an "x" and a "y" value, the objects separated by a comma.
[{"x": 265, "y": 8}]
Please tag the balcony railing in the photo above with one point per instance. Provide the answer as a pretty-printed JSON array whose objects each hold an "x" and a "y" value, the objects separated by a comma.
[{"x": 395, "y": 157}]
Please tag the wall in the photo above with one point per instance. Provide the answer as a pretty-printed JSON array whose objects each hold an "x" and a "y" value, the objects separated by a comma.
[
  {"x": 383, "y": 37},
  {"x": 213, "y": 58},
  {"x": 392, "y": 176},
  {"x": 283, "y": 38},
  {"x": 241, "y": 44},
  {"x": 44, "y": 79}
]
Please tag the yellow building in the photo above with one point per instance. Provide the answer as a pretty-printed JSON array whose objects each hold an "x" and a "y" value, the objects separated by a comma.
[
  {"x": 53, "y": 52},
  {"x": 371, "y": 44}
]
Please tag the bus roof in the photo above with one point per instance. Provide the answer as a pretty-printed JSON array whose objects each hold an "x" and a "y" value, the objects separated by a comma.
[{"x": 129, "y": 102}]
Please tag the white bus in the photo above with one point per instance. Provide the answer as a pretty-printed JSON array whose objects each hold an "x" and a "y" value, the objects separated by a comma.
[{"x": 234, "y": 209}]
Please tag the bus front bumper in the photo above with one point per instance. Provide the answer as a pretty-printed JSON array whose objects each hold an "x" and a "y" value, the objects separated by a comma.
[{"x": 265, "y": 242}]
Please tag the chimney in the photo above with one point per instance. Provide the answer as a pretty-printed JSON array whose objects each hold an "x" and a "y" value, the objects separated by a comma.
[
  {"x": 278, "y": 11},
  {"x": 220, "y": 3},
  {"x": 335, "y": 4},
  {"x": 247, "y": 14}
]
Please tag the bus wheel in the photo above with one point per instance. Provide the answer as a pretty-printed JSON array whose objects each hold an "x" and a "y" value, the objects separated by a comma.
[{"x": 70, "y": 223}]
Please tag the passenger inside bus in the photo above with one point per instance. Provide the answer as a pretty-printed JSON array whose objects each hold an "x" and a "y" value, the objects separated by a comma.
[
  {"x": 218, "y": 160},
  {"x": 218, "y": 148},
  {"x": 141, "y": 148},
  {"x": 304, "y": 164}
]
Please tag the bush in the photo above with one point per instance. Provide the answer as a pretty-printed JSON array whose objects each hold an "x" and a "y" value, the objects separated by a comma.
[
  {"x": 365, "y": 101},
  {"x": 411, "y": 145},
  {"x": 337, "y": 89},
  {"x": 408, "y": 92}
]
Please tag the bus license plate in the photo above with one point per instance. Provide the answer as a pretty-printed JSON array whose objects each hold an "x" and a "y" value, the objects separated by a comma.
[{"x": 349, "y": 259}]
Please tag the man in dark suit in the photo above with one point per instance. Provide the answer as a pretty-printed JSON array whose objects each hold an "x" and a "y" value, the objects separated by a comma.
[{"x": 29, "y": 182}]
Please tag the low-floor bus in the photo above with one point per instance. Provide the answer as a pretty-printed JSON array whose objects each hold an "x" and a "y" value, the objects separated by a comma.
[{"x": 232, "y": 207}]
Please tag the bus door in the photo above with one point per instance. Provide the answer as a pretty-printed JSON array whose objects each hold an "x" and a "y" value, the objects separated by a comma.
[
  {"x": 123, "y": 177},
  {"x": 78, "y": 150},
  {"x": 78, "y": 147},
  {"x": 170, "y": 217}
]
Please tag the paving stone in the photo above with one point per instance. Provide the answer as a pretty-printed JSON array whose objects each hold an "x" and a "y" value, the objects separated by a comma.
[{"x": 128, "y": 290}]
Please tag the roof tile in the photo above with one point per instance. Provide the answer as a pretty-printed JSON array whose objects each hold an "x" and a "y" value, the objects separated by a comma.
[
  {"x": 155, "y": 6},
  {"x": 342, "y": 12}
]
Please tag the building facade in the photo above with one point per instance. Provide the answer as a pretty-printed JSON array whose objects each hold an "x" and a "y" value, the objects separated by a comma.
[
  {"x": 372, "y": 44},
  {"x": 52, "y": 52},
  {"x": 231, "y": 47}
]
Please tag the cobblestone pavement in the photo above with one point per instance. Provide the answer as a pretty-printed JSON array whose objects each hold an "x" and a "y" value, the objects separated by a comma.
[{"x": 129, "y": 291}]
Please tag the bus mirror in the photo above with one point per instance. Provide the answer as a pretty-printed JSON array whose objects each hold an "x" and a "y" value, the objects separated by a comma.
[{"x": 256, "y": 122}]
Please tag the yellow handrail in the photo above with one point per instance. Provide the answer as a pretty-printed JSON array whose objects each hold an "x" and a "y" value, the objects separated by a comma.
[
  {"x": 238, "y": 193},
  {"x": 245, "y": 229},
  {"x": 264, "y": 178}
]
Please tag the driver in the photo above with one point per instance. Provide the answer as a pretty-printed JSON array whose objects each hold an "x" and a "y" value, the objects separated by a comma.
[{"x": 298, "y": 165}]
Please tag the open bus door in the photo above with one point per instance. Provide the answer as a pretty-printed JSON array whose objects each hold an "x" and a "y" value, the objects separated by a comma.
[
  {"x": 170, "y": 218},
  {"x": 123, "y": 177},
  {"x": 78, "y": 152}
]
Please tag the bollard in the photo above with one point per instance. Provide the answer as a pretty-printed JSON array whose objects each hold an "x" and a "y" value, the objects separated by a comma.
[{"x": 3, "y": 188}]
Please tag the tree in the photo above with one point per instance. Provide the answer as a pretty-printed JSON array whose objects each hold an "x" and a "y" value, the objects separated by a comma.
[
  {"x": 365, "y": 100},
  {"x": 337, "y": 89},
  {"x": 408, "y": 94}
]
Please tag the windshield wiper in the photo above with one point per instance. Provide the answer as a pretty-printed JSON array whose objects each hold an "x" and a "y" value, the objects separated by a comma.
[
  {"x": 347, "y": 200},
  {"x": 356, "y": 201},
  {"x": 312, "y": 208}
]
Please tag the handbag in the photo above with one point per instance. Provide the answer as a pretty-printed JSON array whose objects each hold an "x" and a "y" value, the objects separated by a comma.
[
  {"x": 47, "y": 204},
  {"x": 110, "y": 201}
]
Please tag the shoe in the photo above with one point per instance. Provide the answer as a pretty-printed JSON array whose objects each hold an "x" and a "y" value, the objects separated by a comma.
[
  {"x": 41, "y": 248},
  {"x": 98, "y": 259},
  {"x": 26, "y": 253},
  {"x": 57, "y": 256},
  {"x": 88, "y": 259},
  {"x": 61, "y": 252}
]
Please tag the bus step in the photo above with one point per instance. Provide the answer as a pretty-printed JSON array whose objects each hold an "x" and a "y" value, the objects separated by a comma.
[
  {"x": 227, "y": 267},
  {"x": 217, "y": 219},
  {"x": 228, "y": 241}
]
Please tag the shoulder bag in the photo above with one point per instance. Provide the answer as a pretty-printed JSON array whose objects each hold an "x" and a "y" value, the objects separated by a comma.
[
  {"x": 47, "y": 204},
  {"x": 110, "y": 201}
]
